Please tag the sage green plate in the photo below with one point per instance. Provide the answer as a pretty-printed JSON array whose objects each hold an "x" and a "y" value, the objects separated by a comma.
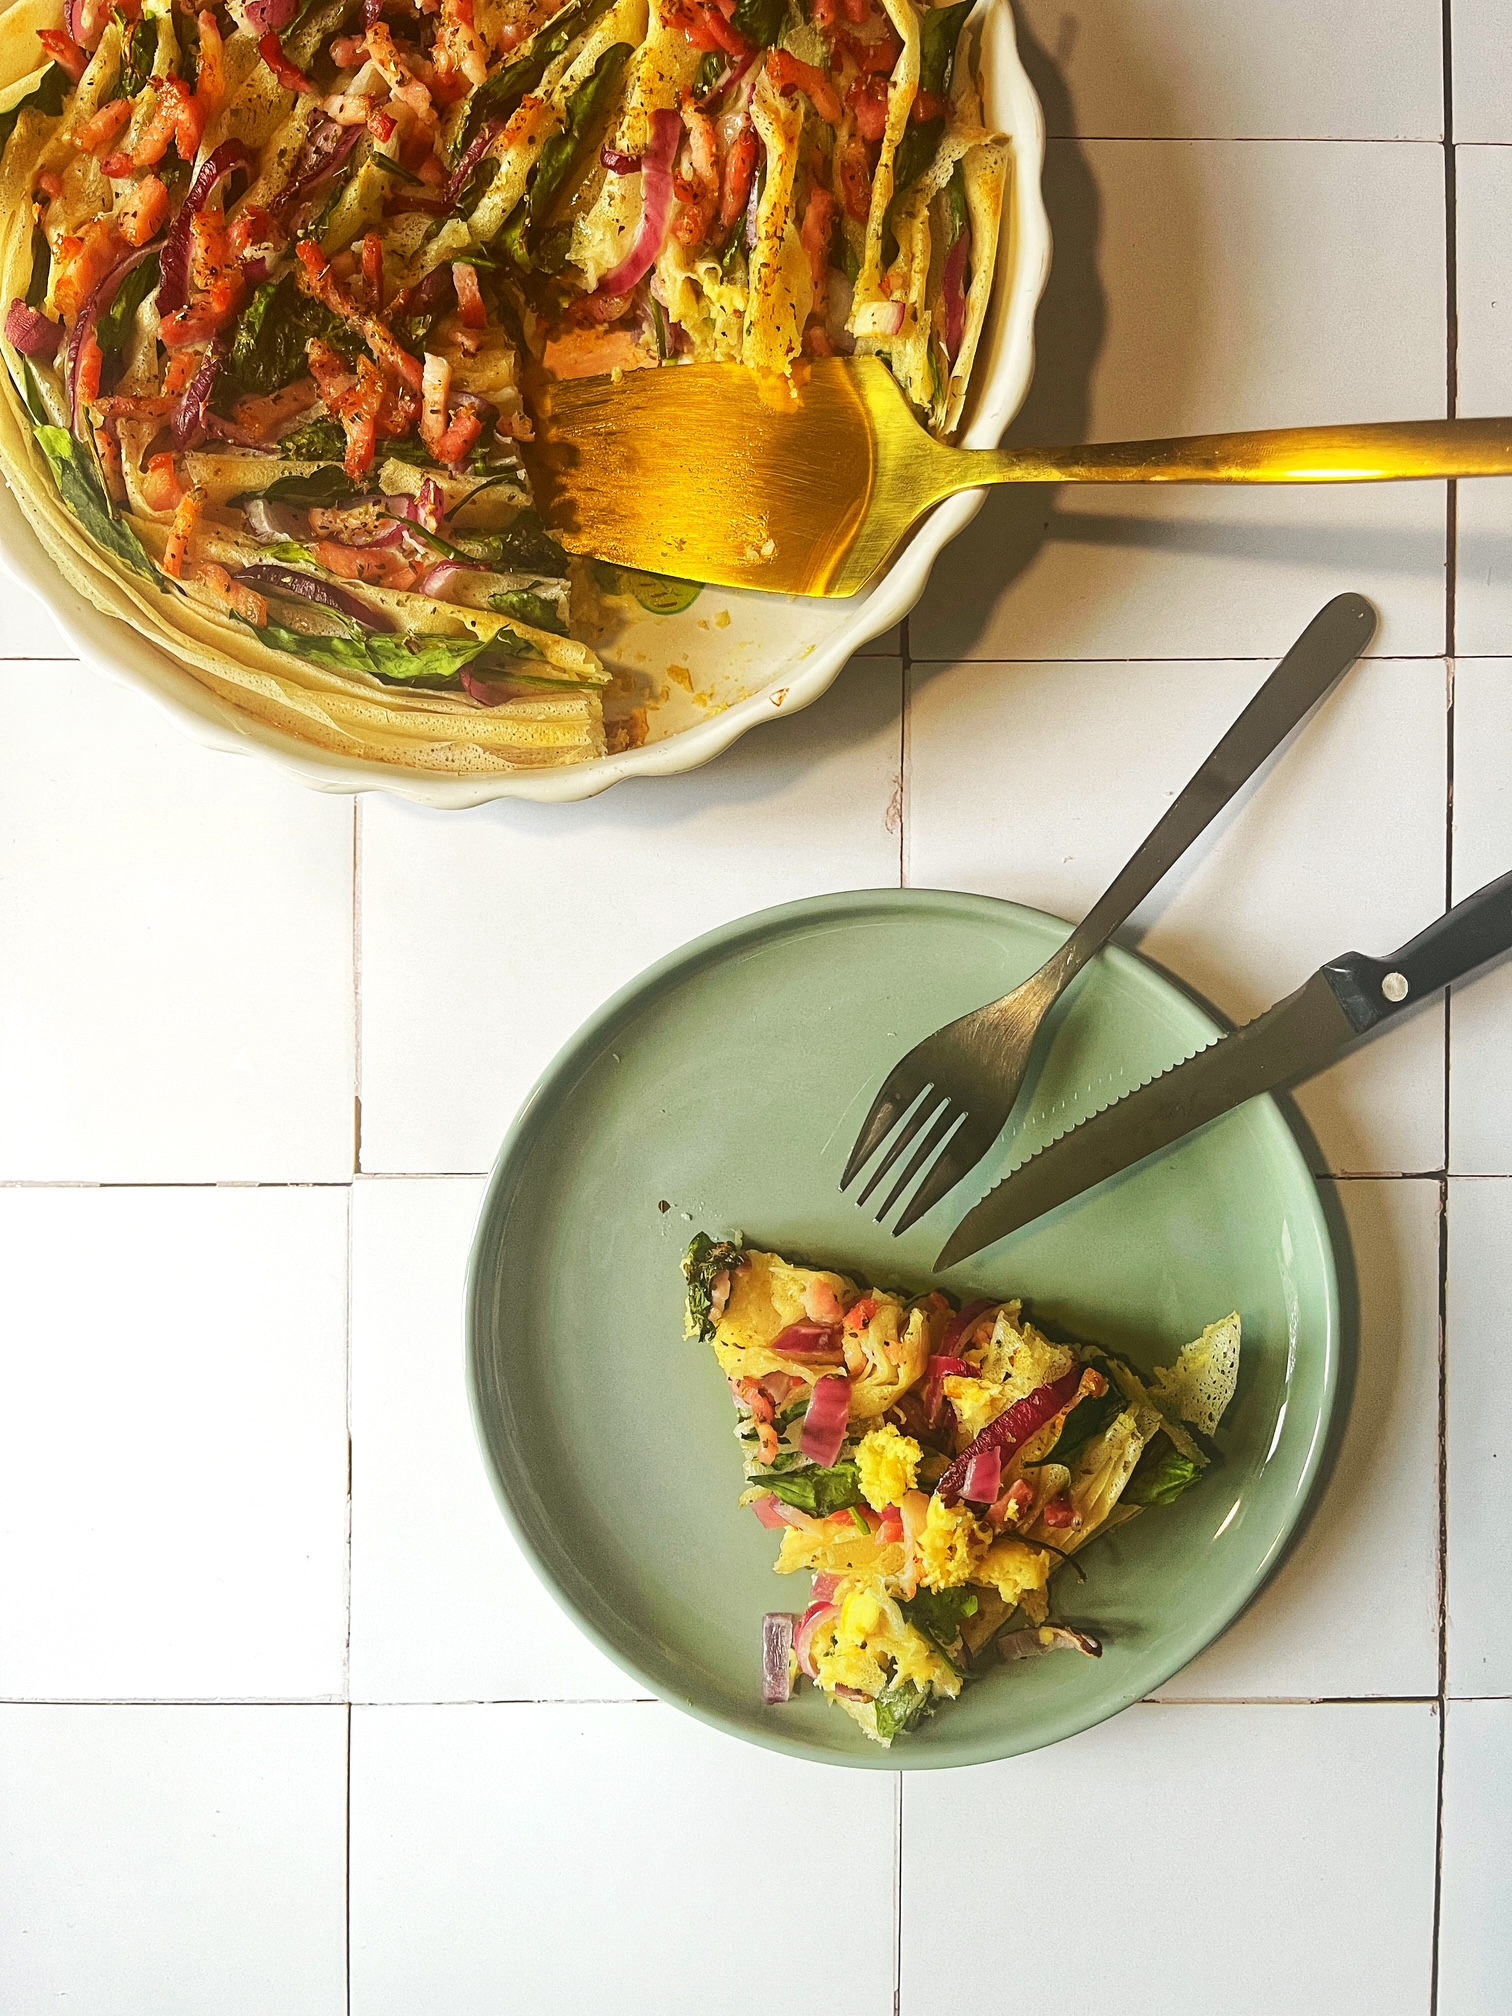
[{"x": 723, "y": 1090}]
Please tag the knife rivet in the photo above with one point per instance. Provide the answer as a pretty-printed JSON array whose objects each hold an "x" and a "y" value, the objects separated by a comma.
[{"x": 1394, "y": 987}]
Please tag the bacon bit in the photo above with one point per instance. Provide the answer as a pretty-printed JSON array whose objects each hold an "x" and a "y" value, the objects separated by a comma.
[
  {"x": 262, "y": 415},
  {"x": 157, "y": 135},
  {"x": 348, "y": 108},
  {"x": 182, "y": 366},
  {"x": 186, "y": 518},
  {"x": 824, "y": 13},
  {"x": 64, "y": 51},
  {"x": 890, "y": 1531},
  {"x": 861, "y": 1313},
  {"x": 288, "y": 74},
  {"x": 432, "y": 172},
  {"x": 372, "y": 267},
  {"x": 706, "y": 28},
  {"x": 132, "y": 406},
  {"x": 347, "y": 51},
  {"x": 459, "y": 48},
  {"x": 50, "y": 183},
  {"x": 255, "y": 231},
  {"x": 207, "y": 317},
  {"x": 818, "y": 224},
  {"x": 382, "y": 124},
  {"x": 359, "y": 416},
  {"x": 109, "y": 445},
  {"x": 210, "y": 256},
  {"x": 245, "y": 601},
  {"x": 873, "y": 55},
  {"x": 314, "y": 277},
  {"x": 143, "y": 211},
  {"x": 384, "y": 52},
  {"x": 1059, "y": 1512},
  {"x": 789, "y": 74},
  {"x": 928, "y": 105},
  {"x": 698, "y": 185},
  {"x": 868, "y": 101},
  {"x": 82, "y": 263},
  {"x": 816, "y": 342},
  {"x": 739, "y": 167},
  {"x": 99, "y": 131},
  {"x": 117, "y": 166},
  {"x": 470, "y": 302},
  {"x": 1013, "y": 1504},
  {"x": 378, "y": 565},
  {"x": 210, "y": 87},
  {"x": 856, "y": 11},
  {"x": 855, "y": 179}
]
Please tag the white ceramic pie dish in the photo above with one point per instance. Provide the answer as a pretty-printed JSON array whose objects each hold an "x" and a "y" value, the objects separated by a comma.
[{"x": 747, "y": 658}]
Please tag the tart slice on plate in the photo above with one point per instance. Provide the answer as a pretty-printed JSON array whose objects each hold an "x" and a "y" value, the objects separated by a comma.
[{"x": 933, "y": 1468}]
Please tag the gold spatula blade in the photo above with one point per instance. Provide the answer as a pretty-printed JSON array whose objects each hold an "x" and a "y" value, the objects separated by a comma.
[{"x": 714, "y": 473}]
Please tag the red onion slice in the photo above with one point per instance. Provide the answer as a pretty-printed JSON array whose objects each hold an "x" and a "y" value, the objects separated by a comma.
[
  {"x": 436, "y": 580},
  {"x": 815, "y": 1615},
  {"x": 657, "y": 196},
  {"x": 1012, "y": 1429},
  {"x": 954, "y": 283},
  {"x": 940, "y": 1369},
  {"x": 768, "y": 1511},
  {"x": 777, "y": 1656},
  {"x": 274, "y": 522},
  {"x": 818, "y": 1343},
  {"x": 825, "y": 1587},
  {"x": 962, "y": 1324},
  {"x": 330, "y": 147},
  {"x": 1032, "y": 1643},
  {"x": 619, "y": 164},
  {"x": 270, "y": 17},
  {"x": 33, "y": 333},
  {"x": 173, "y": 288},
  {"x": 267, "y": 576},
  {"x": 984, "y": 1478},
  {"x": 477, "y": 147},
  {"x": 825, "y": 1423},
  {"x": 189, "y": 417},
  {"x": 89, "y": 315}
]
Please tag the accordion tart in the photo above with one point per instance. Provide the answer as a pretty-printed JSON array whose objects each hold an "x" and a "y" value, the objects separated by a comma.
[
  {"x": 934, "y": 1468},
  {"x": 277, "y": 276}
]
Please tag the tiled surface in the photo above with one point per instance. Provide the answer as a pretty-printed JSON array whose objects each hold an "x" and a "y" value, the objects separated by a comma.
[
  {"x": 173, "y": 1861},
  {"x": 617, "y": 1858},
  {"x": 1483, "y": 213},
  {"x": 1475, "y": 1935},
  {"x": 1078, "y": 761},
  {"x": 173, "y": 1462},
  {"x": 202, "y": 966},
  {"x": 1480, "y": 1084},
  {"x": 176, "y": 986},
  {"x": 1479, "y": 1437},
  {"x": 1213, "y": 285},
  {"x": 1214, "y": 1827}
]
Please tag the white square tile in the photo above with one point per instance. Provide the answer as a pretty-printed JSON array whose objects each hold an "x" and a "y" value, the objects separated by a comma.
[
  {"x": 28, "y": 631},
  {"x": 1248, "y": 1859},
  {"x": 1482, "y": 43},
  {"x": 1483, "y": 237},
  {"x": 445, "y": 1607},
  {"x": 1216, "y": 285},
  {"x": 1353, "y": 1609},
  {"x": 173, "y": 1861},
  {"x": 488, "y": 936},
  {"x": 615, "y": 1857},
  {"x": 173, "y": 1448},
  {"x": 1281, "y": 69},
  {"x": 1480, "y": 1074},
  {"x": 176, "y": 991},
  {"x": 1037, "y": 782},
  {"x": 1480, "y": 1442},
  {"x": 1475, "y": 1914}
]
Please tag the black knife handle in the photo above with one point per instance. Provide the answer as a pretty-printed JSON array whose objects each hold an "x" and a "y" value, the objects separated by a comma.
[{"x": 1369, "y": 990}]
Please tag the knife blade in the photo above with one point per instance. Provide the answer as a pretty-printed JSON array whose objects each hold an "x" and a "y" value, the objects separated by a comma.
[{"x": 1343, "y": 1001}]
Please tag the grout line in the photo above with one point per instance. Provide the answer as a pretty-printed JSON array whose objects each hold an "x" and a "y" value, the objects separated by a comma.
[
  {"x": 1443, "y": 1582},
  {"x": 348, "y": 1872},
  {"x": 346, "y": 1650},
  {"x": 898, "y": 1894},
  {"x": 357, "y": 984}
]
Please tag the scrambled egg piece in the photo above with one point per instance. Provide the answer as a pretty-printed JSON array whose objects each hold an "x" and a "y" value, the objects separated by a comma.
[
  {"x": 871, "y": 1632},
  {"x": 977, "y": 1402},
  {"x": 952, "y": 1544},
  {"x": 836, "y": 1548},
  {"x": 1014, "y": 1570},
  {"x": 889, "y": 1464}
]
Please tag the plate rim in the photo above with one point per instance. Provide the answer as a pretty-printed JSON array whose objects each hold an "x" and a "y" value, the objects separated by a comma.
[{"x": 519, "y": 1141}]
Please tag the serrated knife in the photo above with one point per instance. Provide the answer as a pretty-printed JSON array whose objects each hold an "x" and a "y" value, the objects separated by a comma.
[{"x": 1342, "y": 1002}]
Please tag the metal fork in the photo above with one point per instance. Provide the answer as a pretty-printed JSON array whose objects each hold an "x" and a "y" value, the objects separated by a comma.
[{"x": 954, "y": 1091}]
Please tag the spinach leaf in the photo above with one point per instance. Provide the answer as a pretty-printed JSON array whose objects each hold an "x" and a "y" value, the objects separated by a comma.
[
  {"x": 320, "y": 490},
  {"x": 1163, "y": 1473},
  {"x": 710, "y": 74},
  {"x": 319, "y": 440},
  {"x": 1086, "y": 1420},
  {"x": 523, "y": 547},
  {"x": 814, "y": 1490},
  {"x": 705, "y": 1260},
  {"x": 115, "y": 325},
  {"x": 760, "y": 21},
  {"x": 268, "y": 349},
  {"x": 940, "y": 1613},
  {"x": 80, "y": 490},
  {"x": 400, "y": 660},
  {"x": 48, "y": 97},
  {"x": 558, "y": 158},
  {"x": 528, "y": 608},
  {"x": 500, "y": 95},
  {"x": 939, "y": 34},
  {"x": 900, "y": 1707},
  {"x": 138, "y": 47}
]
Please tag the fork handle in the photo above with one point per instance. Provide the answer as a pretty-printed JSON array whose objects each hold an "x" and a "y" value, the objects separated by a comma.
[
  {"x": 1327, "y": 647},
  {"x": 1373, "y": 452}
]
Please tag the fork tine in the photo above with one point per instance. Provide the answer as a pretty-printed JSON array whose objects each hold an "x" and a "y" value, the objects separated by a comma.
[
  {"x": 927, "y": 1104},
  {"x": 944, "y": 1120},
  {"x": 887, "y": 1109},
  {"x": 964, "y": 1151}
]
